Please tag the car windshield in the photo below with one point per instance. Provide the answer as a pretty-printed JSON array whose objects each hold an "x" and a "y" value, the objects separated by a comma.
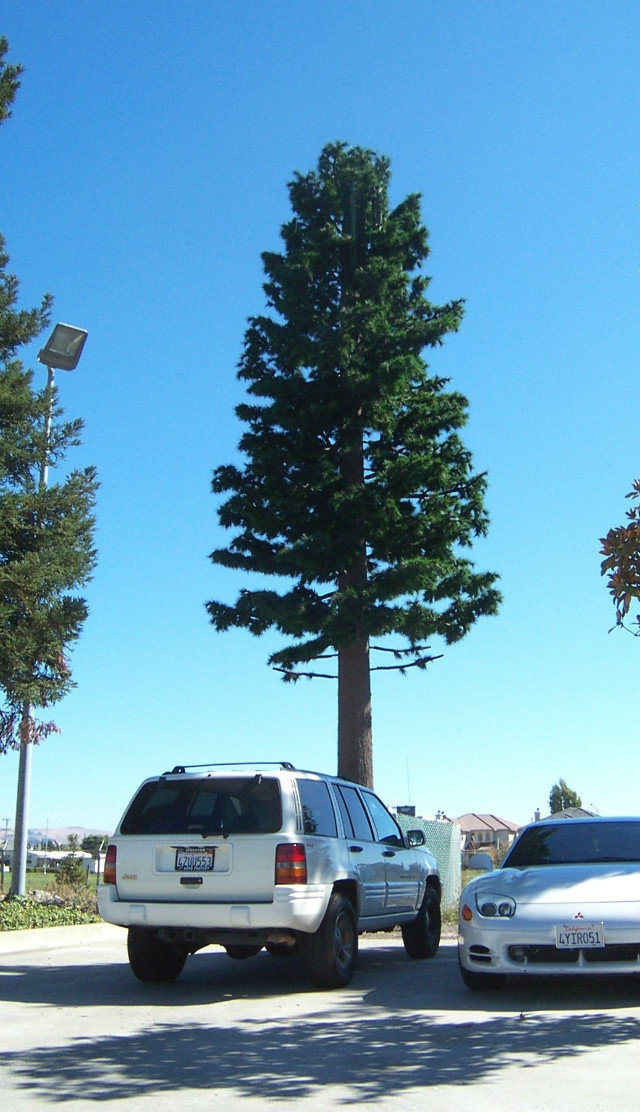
[
  {"x": 233, "y": 805},
  {"x": 575, "y": 842}
]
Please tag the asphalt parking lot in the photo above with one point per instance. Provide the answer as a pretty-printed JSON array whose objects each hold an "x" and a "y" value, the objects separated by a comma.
[{"x": 78, "y": 1030}]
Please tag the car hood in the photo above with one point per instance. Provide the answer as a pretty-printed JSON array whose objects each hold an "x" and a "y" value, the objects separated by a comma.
[{"x": 555, "y": 884}]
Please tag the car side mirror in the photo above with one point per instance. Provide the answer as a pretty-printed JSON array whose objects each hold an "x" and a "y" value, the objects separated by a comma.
[
  {"x": 481, "y": 861},
  {"x": 415, "y": 838}
]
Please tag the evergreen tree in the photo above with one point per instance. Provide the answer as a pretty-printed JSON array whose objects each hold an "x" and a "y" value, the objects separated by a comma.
[
  {"x": 561, "y": 797},
  {"x": 356, "y": 489},
  {"x": 9, "y": 81},
  {"x": 46, "y": 549}
]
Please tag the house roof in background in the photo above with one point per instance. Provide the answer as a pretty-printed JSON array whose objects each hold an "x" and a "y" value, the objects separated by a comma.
[
  {"x": 471, "y": 822},
  {"x": 572, "y": 813}
]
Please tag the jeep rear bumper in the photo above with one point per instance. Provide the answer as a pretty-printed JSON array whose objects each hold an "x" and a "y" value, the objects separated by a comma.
[{"x": 294, "y": 908}]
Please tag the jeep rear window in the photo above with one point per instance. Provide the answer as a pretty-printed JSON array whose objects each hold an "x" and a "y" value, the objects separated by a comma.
[{"x": 233, "y": 805}]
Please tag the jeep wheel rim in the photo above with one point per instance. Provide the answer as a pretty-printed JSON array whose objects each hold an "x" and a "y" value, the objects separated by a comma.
[{"x": 343, "y": 941}]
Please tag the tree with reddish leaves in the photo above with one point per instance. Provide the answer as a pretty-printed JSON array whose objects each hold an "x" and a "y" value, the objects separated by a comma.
[{"x": 621, "y": 565}]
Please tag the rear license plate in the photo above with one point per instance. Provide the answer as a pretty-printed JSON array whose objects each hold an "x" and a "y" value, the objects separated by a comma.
[
  {"x": 194, "y": 859},
  {"x": 580, "y": 936}
]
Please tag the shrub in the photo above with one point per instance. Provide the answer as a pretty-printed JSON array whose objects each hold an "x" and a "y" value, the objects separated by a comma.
[
  {"x": 18, "y": 913},
  {"x": 71, "y": 872}
]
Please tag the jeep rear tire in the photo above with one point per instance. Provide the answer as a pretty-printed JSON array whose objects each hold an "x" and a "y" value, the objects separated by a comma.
[
  {"x": 421, "y": 937},
  {"x": 330, "y": 954},
  {"x": 152, "y": 960}
]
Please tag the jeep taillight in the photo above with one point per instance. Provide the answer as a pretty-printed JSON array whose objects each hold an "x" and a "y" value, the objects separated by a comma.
[
  {"x": 291, "y": 863},
  {"x": 109, "y": 875}
]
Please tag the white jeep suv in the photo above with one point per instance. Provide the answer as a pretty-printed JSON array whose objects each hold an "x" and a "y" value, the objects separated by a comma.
[{"x": 267, "y": 856}]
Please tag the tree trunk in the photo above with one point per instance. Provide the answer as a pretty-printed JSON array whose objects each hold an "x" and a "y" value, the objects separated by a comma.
[{"x": 355, "y": 744}]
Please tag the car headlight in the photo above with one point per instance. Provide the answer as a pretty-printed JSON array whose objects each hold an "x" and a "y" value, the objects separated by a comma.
[{"x": 491, "y": 907}]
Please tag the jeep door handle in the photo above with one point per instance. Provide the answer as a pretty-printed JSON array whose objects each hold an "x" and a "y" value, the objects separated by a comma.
[
  {"x": 388, "y": 853},
  {"x": 355, "y": 849}
]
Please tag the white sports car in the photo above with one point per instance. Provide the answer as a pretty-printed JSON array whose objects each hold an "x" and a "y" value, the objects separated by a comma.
[{"x": 566, "y": 900}]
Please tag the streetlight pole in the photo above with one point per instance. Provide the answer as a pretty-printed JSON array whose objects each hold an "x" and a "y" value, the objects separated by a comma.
[
  {"x": 63, "y": 349},
  {"x": 3, "y": 854}
]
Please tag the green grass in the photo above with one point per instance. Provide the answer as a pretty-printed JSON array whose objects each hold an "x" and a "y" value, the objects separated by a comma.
[{"x": 44, "y": 882}]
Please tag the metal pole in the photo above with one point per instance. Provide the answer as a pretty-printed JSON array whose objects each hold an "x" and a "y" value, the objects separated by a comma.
[
  {"x": 4, "y": 850},
  {"x": 21, "y": 830},
  {"x": 44, "y": 466}
]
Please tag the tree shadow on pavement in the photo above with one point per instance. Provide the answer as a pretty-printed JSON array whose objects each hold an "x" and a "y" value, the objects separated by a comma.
[
  {"x": 401, "y": 1025},
  {"x": 369, "y": 1056}
]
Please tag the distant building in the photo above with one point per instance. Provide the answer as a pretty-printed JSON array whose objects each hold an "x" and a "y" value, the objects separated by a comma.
[
  {"x": 485, "y": 832},
  {"x": 43, "y": 847}
]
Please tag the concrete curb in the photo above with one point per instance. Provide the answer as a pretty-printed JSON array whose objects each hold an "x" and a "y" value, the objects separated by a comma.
[{"x": 57, "y": 938}]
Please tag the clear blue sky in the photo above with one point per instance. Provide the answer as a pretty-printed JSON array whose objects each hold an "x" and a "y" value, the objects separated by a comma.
[{"x": 145, "y": 169}]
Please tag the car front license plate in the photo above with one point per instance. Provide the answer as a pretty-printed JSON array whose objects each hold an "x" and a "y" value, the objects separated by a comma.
[
  {"x": 194, "y": 859},
  {"x": 580, "y": 936}
]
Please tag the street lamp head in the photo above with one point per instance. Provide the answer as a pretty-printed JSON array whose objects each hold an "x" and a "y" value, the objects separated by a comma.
[{"x": 63, "y": 348}]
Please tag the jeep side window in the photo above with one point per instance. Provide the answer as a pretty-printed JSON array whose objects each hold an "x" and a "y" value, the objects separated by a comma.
[
  {"x": 386, "y": 827},
  {"x": 357, "y": 814},
  {"x": 344, "y": 814},
  {"x": 317, "y": 811}
]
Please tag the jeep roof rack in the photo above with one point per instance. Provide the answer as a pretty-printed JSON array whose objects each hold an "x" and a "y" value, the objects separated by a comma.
[{"x": 179, "y": 770}]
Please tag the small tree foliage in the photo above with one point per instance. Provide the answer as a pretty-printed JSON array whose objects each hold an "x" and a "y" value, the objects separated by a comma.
[
  {"x": 71, "y": 872},
  {"x": 621, "y": 564},
  {"x": 93, "y": 844},
  {"x": 356, "y": 489},
  {"x": 561, "y": 797}
]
